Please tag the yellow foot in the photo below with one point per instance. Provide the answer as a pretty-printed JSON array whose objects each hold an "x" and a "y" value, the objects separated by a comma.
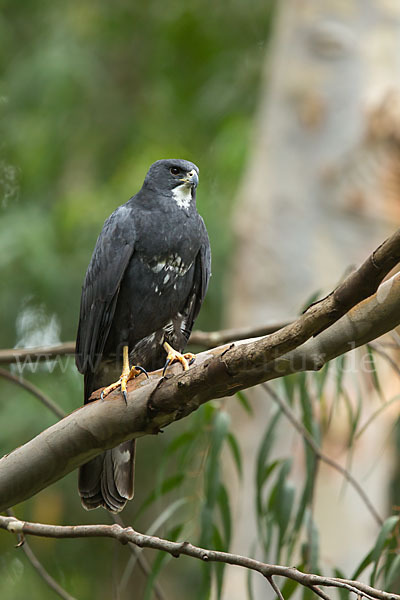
[
  {"x": 175, "y": 356},
  {"x": 122, "y": 381}
]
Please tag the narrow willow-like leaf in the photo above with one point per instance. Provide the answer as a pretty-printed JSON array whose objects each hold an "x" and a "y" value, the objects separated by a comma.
[
  {"x": 320, "y": 378},
  {"x": 289, "y": 384},
  {"x": 225, "y": 510},
  {"x": 241, "y": 396},
  {"x": 393, "y": 572},
  {"x": 306, "y": 403},
  {"x": 249, "y": 584},
  {"x": 366, "y": 561},
  {"x": 249, "y": 577},
  {"x": 236, "y": 454},
  {"x": 374, "y": 372},
  {"x": 313, "y": 543},
  {"x": 180, "y": 441},
  {"x": 381, "y": 542},
  {"x": 284, "y": 500},
  {"x": 218, "y": 568},
  {"x": 340, "y": 363},
  {"x": 219, "y": 432},
  {"x": 290, "y": 586},
  {"x": 262, "y": 460}
]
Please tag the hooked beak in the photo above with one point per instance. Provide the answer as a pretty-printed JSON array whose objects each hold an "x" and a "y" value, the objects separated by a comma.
[{"x": 192, "y": 178}]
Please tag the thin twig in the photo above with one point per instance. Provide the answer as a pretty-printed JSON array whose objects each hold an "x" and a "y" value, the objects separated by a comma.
[
  {"x": 52, "y": 583},
  {"x": 318, "y": 592},
  {"x": 126, "y": 535},
  {"x": 381, "y": 408},
  {"x": 275, "y": 587},
  {"x": 32, "y": 389},
  {"x": 318, "y": 452},
  {"x": 31, "y": 556}
]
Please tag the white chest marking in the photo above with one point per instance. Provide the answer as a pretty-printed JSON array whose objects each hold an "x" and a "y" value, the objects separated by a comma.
[
  {"x": 125, "y": 456},
  {"x": 182, "y": 195}
]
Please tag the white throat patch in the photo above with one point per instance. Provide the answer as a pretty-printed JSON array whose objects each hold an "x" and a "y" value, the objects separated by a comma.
[{"x": 183, "y": 195}]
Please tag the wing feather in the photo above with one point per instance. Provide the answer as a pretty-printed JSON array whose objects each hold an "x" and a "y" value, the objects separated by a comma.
[
  {"x": 112, "y": 253},
  {"x": 201, "y": 278}
]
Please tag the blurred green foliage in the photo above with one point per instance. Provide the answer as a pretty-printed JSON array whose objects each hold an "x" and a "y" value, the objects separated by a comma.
[{"x": 91, "y": 93}]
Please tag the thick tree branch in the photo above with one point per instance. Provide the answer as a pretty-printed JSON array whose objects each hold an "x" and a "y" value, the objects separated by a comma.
[
  {"x": 155, "y": 402},
  {"x": 205, "y": 339},
  {"x": 129, "y": 535}
]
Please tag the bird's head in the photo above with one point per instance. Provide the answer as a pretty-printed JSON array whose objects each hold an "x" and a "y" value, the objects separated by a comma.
[{"x": 174, "y": 176}]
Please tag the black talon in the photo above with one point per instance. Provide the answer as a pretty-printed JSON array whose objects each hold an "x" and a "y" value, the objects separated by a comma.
[
  {"x": 167, "y": 362},
  {"x": 142, "y": 370},
  {"x": 191, "y": 361},
  {"x": 125, "y": 395},
  {"x": 102, "y": 395}
]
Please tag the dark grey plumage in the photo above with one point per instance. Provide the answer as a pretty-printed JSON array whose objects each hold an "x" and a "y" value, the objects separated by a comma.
[{"x": 145, "y": 284}]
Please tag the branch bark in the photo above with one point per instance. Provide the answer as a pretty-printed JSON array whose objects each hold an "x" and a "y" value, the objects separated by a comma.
[
  {"x": 204, "y": 339},
  {"x": 129, "y": 535},
  {"x": 155, "y": 402}
]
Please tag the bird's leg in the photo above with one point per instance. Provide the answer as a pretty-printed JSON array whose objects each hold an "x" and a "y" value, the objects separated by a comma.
[
  {"x": 127, "y": 374},
  {"x": 174, "y": 356}
]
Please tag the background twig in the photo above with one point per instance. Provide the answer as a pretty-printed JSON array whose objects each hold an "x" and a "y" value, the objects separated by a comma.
[{"x": 125, "y": 535}]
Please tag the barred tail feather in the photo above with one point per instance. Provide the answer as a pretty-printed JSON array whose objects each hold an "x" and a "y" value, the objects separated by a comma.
[{"x": 108, "y": 479}]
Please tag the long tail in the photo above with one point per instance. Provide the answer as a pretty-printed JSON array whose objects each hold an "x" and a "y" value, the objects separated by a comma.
[{"x": 108, "y": 479}]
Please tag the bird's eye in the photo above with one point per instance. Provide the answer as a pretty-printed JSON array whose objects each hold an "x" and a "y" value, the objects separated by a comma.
[{"x": 174, "y": 170}]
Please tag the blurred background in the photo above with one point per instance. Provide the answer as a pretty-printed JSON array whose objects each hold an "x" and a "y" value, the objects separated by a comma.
[{"x": 292, "y": 114}]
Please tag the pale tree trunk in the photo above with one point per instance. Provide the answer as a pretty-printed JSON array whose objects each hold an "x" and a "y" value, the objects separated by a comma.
[{"x": 321, "y": 189}]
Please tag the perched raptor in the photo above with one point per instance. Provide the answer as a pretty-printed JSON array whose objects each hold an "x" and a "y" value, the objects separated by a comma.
[{"x": 142, "y": 292}]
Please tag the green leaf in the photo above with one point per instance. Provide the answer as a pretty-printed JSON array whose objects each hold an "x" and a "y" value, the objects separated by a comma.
[
  {"x": 249, "y": 578},
  {"x": 244, "y": 402},
  {"x": 290, "y": 586},
  {"x": 321, "y": 377},
  {"x": 340, "y": 363},
  {"x": 313, "y": 543},
  {"x": 285, "y": 493},
  {"x": 219, "y": 432},
  {"x": 363, "y": 565},
  {"x": 374, "y": 373},
  {"x": 262, "y": 461},
  {"x": 393, "y": 572},
  {"x": 289, "y": 385},
  {"x": 306, "y": 403},
  {"x": 381, "y": 542},
  {"x": 183, "y": 439},
  {"x": 224, "y": 507},
  {"x": 235, "y": 449},
  {"x": 218, "y": 568}
]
